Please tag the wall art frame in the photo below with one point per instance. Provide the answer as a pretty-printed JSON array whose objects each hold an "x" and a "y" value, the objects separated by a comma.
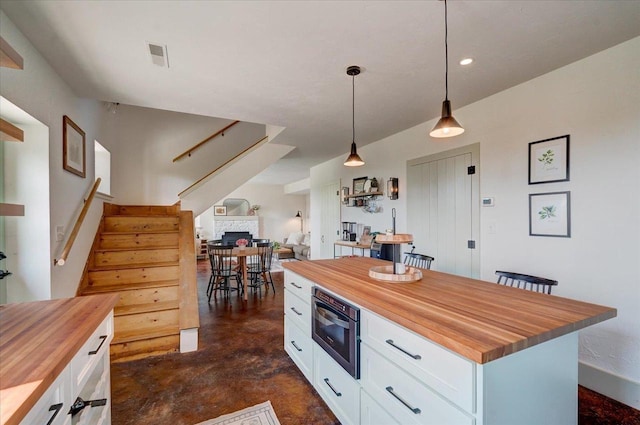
[
  {"x": 74, "y": 155},
  {"x": 550, "y": 214},
  {"x": 358, "y": 185},
  {"x": 219, "y": 210},
  {"x": 549, "y": 160}
]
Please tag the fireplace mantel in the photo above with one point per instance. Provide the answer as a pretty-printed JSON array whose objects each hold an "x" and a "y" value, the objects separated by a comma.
[{"x": 236, "y": 223}]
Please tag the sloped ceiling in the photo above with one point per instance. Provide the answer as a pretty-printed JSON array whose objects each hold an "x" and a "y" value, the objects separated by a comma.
[{"x": 283, "y": 63}]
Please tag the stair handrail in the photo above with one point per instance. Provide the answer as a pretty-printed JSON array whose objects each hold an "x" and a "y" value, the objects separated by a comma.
[
  {"x": 214, "y": 135},
  {"x": 225, "y": 164},
  {"x": 76, "y": 228}
]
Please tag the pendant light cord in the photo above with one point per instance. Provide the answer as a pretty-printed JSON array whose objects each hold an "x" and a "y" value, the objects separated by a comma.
[
  {"x": 353, "y": 107},
  {"x": 446, "y": 55}
]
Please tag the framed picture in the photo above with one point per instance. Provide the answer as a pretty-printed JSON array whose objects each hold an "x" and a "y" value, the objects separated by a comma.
[
  {"x": 344, "y": 195},
  {"x": 549, "y": 160},
  {"x": 219, "y": 210},
  {"x": 358, "y": 185},
  {"x": 73, "y": 148},
  {"x": 550, "y": 214}
]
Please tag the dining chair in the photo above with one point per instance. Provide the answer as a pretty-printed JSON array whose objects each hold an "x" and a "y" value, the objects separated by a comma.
[
  {"x": 525, "y": 281},
  {"x": 222, "y": 270},
  {"x": 255, "y": 242},
  {"x": 414, "y": 259},
  {"x": 259, "y": 269}
]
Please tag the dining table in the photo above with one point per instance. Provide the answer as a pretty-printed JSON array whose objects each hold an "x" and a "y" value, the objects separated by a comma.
[{"x": 241, "y": 253}]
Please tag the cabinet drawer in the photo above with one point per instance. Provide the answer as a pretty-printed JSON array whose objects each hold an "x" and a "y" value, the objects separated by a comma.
[
  {"x": 299, "y": 347},
  {"x": 405, "y": 398},
  {"x": 298, "y": 311},
  {"x": 371, "y": 413},
  {"x": 91, "y": 353},
  {"x": 336, "y": 387},
  {"x": 298, "y": 285},
  {"x": 445, "y": 372},
  {"x": 52, "y": 407}
]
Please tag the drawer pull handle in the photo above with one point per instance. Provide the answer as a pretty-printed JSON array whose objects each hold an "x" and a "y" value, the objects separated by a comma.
[
  {"x": 80, "y": 404},
  {"x": 103, "y": 339},
  {"x": 408, "y": 406},
  {"x": 55, "y": 408},
  {"x": 326, "y": 380},
  {"x": 294, "y": 344},
  {"x": 296, "y": 311},
  {"x": 294, "y": 284},
  {"x": 415, "y": 356}
]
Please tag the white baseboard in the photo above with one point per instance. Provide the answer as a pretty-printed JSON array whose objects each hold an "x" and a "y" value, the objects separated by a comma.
[
  {"x": 188, "y": 340},
  {"x": 613, "y": 386}
]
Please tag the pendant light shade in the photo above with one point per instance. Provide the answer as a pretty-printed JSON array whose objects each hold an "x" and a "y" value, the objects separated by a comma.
[
  {"x": 447, "y": 126},
  {"x": 353, "y": 160}
]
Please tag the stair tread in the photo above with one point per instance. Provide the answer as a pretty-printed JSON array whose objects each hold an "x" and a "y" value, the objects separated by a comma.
[
  {"x": 145, "y": 308},
  {"x": 168, "y": 217},
  {"x": 137, "y": 248},
  {"x": 129, "y": 286},
  {"x": 133, "y": 266},
  {"x": 132, "y": 232},
  {"x": 144, "y": 333}
]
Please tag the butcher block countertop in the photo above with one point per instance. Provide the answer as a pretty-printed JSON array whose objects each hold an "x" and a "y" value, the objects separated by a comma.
[
  {"x": 479, "y": 320},
  {"x": 37, "y": 340}
]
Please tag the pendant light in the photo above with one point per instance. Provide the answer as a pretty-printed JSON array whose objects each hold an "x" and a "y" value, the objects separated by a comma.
[
  {"x": 447, "y": 126},
  {"x": 353, "y": 160}
]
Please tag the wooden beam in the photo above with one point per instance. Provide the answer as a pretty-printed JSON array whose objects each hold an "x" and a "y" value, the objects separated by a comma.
[
  {"x": 10, "y": 133},
  {"x": 11, "y": 210},
  {"x": 9, "y": 58}
]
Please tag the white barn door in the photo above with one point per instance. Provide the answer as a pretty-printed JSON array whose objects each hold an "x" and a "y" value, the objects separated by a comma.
[
  {"x": 442, "y": 209},
  {"x": 329, "y": 219}
]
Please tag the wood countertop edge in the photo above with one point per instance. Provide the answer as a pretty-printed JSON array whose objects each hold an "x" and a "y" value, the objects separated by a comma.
[
  {"x": 12, "y": 415},
  {"x": 475, "y": 350}
]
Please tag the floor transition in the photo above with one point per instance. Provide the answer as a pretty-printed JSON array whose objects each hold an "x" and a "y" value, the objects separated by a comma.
[{"x": 241, "y": 362}]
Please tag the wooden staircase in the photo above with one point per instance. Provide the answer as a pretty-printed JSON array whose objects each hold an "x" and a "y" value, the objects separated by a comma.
[{"x": 140, "y": 253}]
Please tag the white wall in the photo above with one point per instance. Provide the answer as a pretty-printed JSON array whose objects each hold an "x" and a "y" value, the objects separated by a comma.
[
  {"x": 144, "y": 141},
  {"x": 277, "y": 210},
  {"x": 597, "y": 102},
  {"x": 40, "y": 92}
]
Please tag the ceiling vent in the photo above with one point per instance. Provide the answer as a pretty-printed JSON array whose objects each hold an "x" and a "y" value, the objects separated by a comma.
[{"x": 158, "y": 54}]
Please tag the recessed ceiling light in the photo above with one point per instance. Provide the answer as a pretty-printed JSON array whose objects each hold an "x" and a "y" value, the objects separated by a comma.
[{"x": 466, "y": 61}]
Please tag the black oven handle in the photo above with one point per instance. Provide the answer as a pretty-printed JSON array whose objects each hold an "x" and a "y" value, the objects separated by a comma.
[{"x": 343, "y": 317}]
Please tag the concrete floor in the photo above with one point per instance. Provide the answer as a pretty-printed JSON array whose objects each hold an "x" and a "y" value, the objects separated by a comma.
[{"x": 241, "y": 362}]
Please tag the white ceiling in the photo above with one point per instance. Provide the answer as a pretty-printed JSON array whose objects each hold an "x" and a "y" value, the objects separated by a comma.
[{"x": 284, "y": 62}]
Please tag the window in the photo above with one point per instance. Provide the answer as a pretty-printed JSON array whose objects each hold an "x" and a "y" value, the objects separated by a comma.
[{"x": 103, "y": 167}]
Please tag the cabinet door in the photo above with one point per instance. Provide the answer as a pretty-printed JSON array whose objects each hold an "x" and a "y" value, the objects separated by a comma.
[
  {"x": 446, "y": 372},
  {"x": 371, "y": 413},
  {"x": 299, "y": 347},
  {"x": 53, "y": 406},
  {"x": 298, "y": 311},
  {"x": 337, "y": 388},
  {"x": 409, "y": 401},
  {"x": 298, "y": 285}
]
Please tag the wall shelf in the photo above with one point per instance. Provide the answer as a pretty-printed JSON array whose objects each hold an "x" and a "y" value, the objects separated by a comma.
[{"x": 365, "y": 195}]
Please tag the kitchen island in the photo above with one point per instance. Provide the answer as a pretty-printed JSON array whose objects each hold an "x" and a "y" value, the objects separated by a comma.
[{"x": 470, "y": 352}]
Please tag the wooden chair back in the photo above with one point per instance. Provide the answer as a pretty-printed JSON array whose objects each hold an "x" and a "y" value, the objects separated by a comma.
[
  {"x": 420, "y": 261},
  {"x": 525, "y": 281}
]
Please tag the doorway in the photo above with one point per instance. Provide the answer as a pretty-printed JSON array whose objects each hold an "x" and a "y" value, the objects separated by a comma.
[{"x": 443, "y": 209}]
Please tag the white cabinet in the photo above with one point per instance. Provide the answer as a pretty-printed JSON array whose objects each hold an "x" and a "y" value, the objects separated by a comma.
[
  {"x": 86, "y": 376},
  {"x": 336, "y": 387},
  {"x": 406, "y": 398},
  {"x": 297, "y": 322},
  {"x": 445, "y": 372}
]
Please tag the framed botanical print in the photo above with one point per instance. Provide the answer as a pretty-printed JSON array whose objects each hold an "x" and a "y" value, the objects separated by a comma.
[
  {"x": 549, "y": 160},
  {"x": 73, "y": 148},
  {"x": 219, "y": 210},
  {"x": 358, "y": 185},
  {"x": 550, "y": 214}
]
